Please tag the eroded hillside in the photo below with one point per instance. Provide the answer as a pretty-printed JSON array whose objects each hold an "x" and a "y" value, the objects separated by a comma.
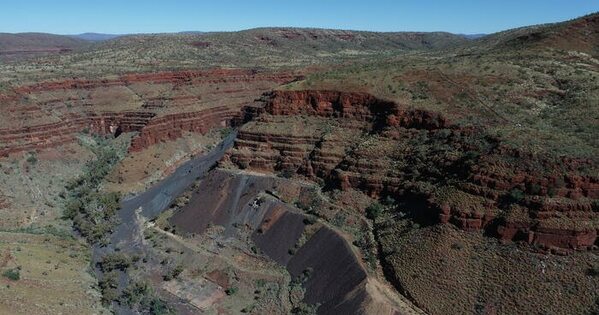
[{"x": 308, "y": 171}]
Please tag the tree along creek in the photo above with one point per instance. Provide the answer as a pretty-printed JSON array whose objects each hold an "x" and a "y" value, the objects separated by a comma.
[{"x": 128, "y": 235}]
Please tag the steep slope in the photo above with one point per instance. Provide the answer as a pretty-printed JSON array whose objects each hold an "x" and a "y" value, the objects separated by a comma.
[
  {"x": 581, "y": 34},
  {"x": 451, "y": 192},
  {"x": 455, "y": 174},
  {"x": 316, "y": 256},
  {"x": 159, "y": 105}
]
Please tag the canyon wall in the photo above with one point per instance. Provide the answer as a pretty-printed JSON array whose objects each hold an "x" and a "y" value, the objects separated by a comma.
[
  {"x": 448, "y": 173},
  {"x": 160, "y": 106}
]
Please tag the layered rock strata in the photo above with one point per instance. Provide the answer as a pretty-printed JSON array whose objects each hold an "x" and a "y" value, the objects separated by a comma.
[
  {"x": 160, "y": 106},
  {"x": 443, "y": 172}
]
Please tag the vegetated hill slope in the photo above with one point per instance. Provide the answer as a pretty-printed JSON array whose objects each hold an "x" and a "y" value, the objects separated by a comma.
[
  {"x": 581, "y": 34},
  {"x": 18, "y": 47},
  {"x": 31, "y": 42},
  {"x": 256, "y": 48},
  {"x": 305, "y": 39},
  {"x": 540, "y": 94}
]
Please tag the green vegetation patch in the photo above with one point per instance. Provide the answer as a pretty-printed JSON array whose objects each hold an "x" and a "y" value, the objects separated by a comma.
[
  {"x": 94, "y": 212},
  {"x": 13, "y": 274}
]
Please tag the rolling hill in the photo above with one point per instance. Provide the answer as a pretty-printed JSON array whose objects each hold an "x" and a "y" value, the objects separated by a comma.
[
  {"x": 27, "y": 44},
  {"x": 581, "y": 34}
]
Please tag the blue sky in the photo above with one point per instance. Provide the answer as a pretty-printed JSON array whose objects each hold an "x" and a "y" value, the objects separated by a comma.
[{"x": 149, "y": 16}]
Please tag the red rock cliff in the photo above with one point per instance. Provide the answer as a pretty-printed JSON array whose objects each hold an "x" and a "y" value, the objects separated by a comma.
[{"x": 383, "y": 148}]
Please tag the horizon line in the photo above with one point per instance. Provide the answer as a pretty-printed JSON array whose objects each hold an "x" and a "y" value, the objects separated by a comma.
[{"x": 299, "y": 27}]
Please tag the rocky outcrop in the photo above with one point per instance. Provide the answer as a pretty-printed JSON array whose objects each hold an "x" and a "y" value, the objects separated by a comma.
[
  {"x": 177, "y": 77},
  {"x": 160, "y": 106},
  {"x": 151, "y": 129},
  {"x": 355, "y": 141},
  {"x": 171, "y": 127},
  {"x": 51, "y": 135},
  {"x": 352, "y": 106}
]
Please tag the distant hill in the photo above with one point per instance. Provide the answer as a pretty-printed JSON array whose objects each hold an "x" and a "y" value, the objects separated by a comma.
[
  {"x": 279, "y": 45},
  {"x": 473, "y": 36},
  {"x": 95, "y": 37},
  {"x": 269, "y": 47},
  {"x": 191, "y": 32},
  {"x": 37, "y": 41},
  {"x": 581, "y": 34},
  {"x": 334, "y": 39},
  {"x": 260, "y": 48}
]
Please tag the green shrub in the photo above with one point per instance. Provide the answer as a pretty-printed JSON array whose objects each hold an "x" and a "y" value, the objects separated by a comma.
[
  {"x": 225, "y": 132},
  {"x": 304, "y": 309},
  {"x": 551, "y": 191},
  {"x": 32, "y": 159},
  {"x": 309, "y": 220},
  {"x": 114, "y": 261},
  {"x": 72, "y": 208},
  {"x": 139, "y": 296},
  {"x": 108, "y": 287},
  {"x": 12, "y": 274},
  {"x": 535, "y": 189},
  {"x": 231, "y": 290},
  {"x": 287, "y": 173},
  {"x": 158, "y": 307},
  {"x": 374, "y": 210},
  {"x": 93, "y": 212},
  {"x": 173, "y": 273},
  {"x": 134, "y": 293},
  {"x": 389, "y": 201},
  {"x": 516, "y": 195}
]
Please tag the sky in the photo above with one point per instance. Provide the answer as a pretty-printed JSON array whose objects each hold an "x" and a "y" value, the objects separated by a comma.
[{"x": 150, "y": 16}]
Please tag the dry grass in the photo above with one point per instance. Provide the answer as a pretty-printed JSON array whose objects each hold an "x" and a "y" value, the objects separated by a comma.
[
  {"x": 53, "y": 276},
  {"x": 542, "y": 101},
  {"x": 267, "y": 48},
  {"x": 32, "y": 187},
  {"x": 447, "y": 271}
]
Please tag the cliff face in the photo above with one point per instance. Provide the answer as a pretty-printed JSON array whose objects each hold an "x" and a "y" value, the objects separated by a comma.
[
  {"x": 158, "y": 105},
  {"x": 441, "y": 172},
  {"x": 171, "y": 127},
  {"x": 175, "y": 77},
  {"x": 352, "y": 106}
]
